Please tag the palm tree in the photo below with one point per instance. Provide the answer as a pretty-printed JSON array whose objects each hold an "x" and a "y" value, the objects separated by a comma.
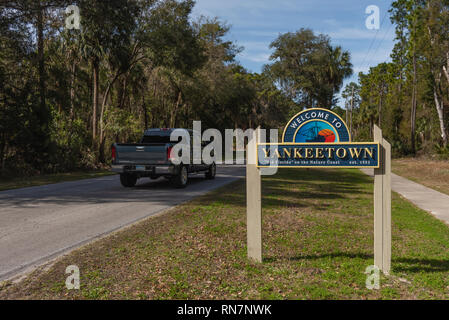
[{"x": 339, "y": 67}]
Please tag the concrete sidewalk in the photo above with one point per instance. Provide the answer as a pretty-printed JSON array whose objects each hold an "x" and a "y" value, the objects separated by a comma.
[{"x": 425, "y": 198}]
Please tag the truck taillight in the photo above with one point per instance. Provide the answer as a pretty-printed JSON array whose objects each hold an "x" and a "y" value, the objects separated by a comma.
[
  {"x": 113, "y": 153},
  {"x": 169, "y": 157}
]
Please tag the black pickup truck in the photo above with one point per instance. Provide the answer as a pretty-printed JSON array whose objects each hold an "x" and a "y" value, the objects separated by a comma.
[{"x": 152, "y": 158}]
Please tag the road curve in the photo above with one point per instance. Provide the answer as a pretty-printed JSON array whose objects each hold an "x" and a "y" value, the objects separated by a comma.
[{"x": 40, "y": 223}]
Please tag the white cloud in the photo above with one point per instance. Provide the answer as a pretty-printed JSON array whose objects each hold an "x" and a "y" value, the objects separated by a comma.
[
  {"x": 358, "y": 33},
  {"x": 257, "y": 57}
]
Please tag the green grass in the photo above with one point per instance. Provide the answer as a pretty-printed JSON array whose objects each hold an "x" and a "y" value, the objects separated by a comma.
[
  {"x": 431, "y": 173},
  {"x": 22, "y": 182},
  {"x": 318, "y": 241}
]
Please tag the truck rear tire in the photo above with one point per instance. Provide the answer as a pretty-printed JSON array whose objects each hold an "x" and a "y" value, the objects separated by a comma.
[
  {"x": 180, "y": 180},
  {"x": 210, "y": 174},
  {"x": 128, "y": 180}
]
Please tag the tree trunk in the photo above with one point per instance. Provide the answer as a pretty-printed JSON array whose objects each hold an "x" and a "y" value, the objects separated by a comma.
[
  {"x": 123, "y": 95},
  {"x": 42, "y": 112},
  {"x": 397, "y": 123},
  {"x": 379, "y": 111},
  {"x": 40, "y": 55},
  {"x": 347, "y": 111},
  {"x": 102, "y": 111},
  {"x": 72, "y": 92},
  {"x": 413, "y": 111},
  {"x": 96, "y": 73},
  {"x": 2, "y": 155},
  {"x": 439, "y": 107},
  {"x": 145, "y": 114},
  {"x": 102, "y": 128},
  {"x": 350, "y": 111},
  {"x": 446, "y": 67},
  {"x": 173, "y": 115}
]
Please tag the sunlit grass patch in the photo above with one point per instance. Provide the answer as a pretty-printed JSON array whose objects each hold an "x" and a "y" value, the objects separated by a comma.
[{"x": 431, "y": 173}]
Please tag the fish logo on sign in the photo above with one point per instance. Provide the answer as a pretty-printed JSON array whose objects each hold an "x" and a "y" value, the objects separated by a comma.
[{"x": 316, "y": 125}]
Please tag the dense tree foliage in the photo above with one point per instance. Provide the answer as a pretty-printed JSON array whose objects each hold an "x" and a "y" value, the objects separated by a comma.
[
  {"x": 66, "y": 95},
  {"x": 409, "y": 97},
  {"x": 309, "y": 69}
]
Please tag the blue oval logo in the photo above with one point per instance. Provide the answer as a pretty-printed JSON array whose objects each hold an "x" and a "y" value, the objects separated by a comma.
[{"x": 316, "y": 125}]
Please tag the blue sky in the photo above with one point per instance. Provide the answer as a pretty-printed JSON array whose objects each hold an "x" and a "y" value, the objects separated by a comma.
[{"x": 255, "y": 23}]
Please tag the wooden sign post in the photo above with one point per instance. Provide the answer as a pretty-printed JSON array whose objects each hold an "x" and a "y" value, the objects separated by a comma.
[
  {"x": 382, "y": 205},
  {"x": 320, "y": 138},
  {"x": 253, "y": 200}
]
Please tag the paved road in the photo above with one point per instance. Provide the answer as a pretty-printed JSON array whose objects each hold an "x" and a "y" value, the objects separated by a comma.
[
  {"x": 435, "y": 202},
  {"x": 41, "y": 223}
]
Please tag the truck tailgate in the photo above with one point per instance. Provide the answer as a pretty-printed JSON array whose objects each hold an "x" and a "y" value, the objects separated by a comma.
[{"x": 141, "y": 153}]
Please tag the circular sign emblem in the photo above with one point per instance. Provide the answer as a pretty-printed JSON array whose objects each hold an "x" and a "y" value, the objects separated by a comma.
[{"x": 316, "y": 125}]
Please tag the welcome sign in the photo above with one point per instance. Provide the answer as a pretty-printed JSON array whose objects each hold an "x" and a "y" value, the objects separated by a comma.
[{"x": 318, "y": 138}]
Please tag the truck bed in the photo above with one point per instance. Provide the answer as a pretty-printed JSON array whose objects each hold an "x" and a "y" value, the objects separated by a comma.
[{"x": 141, "y": 153}]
